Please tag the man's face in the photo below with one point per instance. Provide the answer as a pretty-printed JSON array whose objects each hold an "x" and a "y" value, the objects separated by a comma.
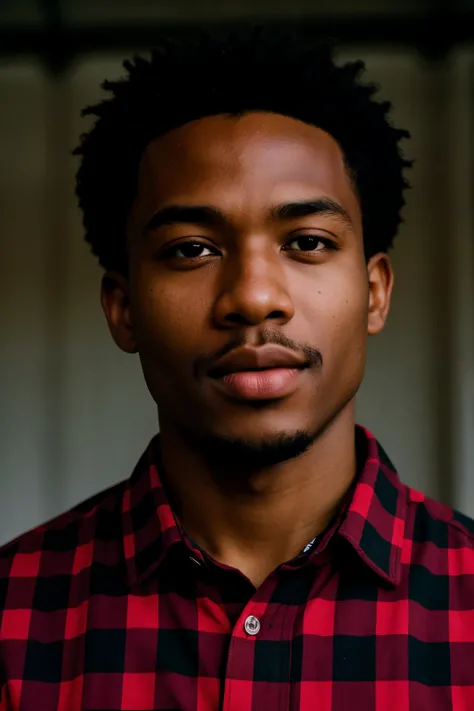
[{"x": 247, "y": 231}]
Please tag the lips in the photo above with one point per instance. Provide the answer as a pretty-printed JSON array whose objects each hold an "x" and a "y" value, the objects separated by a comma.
[
  {"x": 257, "y": 359},
  {"x": 265, "y": 373}
]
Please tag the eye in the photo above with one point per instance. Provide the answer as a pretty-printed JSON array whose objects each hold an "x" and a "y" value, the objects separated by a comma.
[
  {"x": 310, "y": 243},
  {"x": 188, "y": 250}
]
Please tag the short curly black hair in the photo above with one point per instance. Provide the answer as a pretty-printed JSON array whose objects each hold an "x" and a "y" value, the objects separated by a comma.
[{"x": 214, "y": 73}]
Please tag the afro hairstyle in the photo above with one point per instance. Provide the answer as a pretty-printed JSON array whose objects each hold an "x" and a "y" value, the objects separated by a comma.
[{"x": 210, "y": 73}]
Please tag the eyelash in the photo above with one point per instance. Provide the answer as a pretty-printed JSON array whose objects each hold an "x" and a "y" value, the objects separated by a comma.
[
  {"x": 170, "y": 252},
  {"x": 328, "y": 243}
]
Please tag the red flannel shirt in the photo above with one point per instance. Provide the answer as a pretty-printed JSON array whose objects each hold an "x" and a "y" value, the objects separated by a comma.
[{"x": 111, "y": 607}]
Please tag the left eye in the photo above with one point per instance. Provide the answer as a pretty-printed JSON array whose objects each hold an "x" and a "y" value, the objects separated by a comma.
[{"x": 309, "y": 243}]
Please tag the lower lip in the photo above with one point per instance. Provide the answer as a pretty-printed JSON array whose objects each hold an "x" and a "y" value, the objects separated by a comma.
[{"x": 261, "y": 384}]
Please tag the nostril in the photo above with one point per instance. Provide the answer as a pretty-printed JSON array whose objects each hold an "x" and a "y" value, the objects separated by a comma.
[
  {"x": 240, "y": 319},
  {"x": 236, "y": 318},
  {"x": 276, "y": 315}
]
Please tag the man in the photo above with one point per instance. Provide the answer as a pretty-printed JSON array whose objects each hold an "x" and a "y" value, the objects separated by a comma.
[{"x": 241, "y": 194}]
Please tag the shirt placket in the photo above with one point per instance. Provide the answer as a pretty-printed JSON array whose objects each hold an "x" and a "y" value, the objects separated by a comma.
[{"x": 259, "y": 658}]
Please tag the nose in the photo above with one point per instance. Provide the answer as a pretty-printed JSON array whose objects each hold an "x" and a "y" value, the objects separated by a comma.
[{"x": 253, "y": 290}]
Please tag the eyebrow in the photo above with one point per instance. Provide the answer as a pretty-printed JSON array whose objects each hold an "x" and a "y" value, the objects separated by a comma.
[
  {"x": 211, "y": 216},
  {"x": 319, "y": 206}
]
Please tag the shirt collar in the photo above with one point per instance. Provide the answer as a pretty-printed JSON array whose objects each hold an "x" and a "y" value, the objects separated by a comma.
[
  {"x": 150, "y": 528},
  {"x": 373, "y": 523}
]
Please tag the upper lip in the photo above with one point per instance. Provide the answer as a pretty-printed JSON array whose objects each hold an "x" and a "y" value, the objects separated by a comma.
[{"x": 262, "y": 358}]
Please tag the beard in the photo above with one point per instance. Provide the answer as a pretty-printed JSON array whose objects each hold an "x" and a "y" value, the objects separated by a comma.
[{"x": 245, "y": 457}]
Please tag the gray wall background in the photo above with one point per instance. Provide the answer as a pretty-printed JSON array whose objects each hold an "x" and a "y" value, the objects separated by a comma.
[{"x": 75, "y": 413}]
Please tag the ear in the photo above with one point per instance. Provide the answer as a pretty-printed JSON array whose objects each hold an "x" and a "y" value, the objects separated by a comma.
[
  {"x": 115, "y": 301},
  {"x": 380, "y": 274}
]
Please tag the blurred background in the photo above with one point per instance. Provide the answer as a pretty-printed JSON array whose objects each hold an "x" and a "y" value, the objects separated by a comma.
[{"x": 75, "y": 413}]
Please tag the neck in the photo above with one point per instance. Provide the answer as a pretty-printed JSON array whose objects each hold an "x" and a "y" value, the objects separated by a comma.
[{"x": 274, "y": 513}]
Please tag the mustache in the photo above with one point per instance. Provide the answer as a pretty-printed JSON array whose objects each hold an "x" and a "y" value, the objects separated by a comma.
[{"x": 313, "y": 355}]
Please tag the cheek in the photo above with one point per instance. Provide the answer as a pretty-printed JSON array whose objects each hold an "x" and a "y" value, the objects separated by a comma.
[
  {"x": 342, "y": 315},
  {"x": 167, "y": 322},
  {"x": 349, "y": 335},
  {"x": 338, "y": 306}
]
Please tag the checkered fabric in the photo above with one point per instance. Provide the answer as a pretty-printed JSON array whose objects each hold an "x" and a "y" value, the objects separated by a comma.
[{"x": 111, "y": 607}]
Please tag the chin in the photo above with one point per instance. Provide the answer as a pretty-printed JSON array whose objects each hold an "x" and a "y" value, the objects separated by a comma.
[{"x": 254, "y": 451}]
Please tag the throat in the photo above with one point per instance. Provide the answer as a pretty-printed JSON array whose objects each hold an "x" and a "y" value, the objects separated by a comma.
[{"x": 255, "y": 521}]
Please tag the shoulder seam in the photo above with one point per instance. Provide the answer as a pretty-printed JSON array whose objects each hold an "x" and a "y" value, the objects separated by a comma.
[
  {"x": 451, "y": 523},
  {"x": 71, "y": 516}
]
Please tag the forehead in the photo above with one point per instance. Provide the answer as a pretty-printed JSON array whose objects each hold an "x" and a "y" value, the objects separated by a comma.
[{"x": 252, "y": 159}]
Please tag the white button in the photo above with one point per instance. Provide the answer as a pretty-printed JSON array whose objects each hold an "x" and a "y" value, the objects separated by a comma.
[{"x": 252, "y": 625}]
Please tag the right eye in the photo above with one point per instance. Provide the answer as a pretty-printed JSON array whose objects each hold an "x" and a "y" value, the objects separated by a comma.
[{"x": 188, "y": 250}]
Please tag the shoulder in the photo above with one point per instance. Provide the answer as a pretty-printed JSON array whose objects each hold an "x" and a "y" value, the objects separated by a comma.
[
  {"x": 54, "y": 548},
  {"x": 432, "y": 519},
  {"x": 440, "y": 536}
]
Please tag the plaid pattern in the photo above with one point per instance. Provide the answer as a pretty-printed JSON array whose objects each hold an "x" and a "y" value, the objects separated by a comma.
[{"x": 110, "y": 607}]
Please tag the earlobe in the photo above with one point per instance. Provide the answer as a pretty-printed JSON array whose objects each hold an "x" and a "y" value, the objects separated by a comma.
[
  {"x": 115, "y": 301},
  {"x": 380, "y": 274}
]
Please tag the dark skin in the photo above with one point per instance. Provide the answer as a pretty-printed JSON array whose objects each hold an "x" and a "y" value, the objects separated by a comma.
[{"x": 246, "y": 271}]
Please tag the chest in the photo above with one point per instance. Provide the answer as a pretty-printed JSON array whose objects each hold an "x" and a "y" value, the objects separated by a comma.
[{"x": 334, "y": 646}]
